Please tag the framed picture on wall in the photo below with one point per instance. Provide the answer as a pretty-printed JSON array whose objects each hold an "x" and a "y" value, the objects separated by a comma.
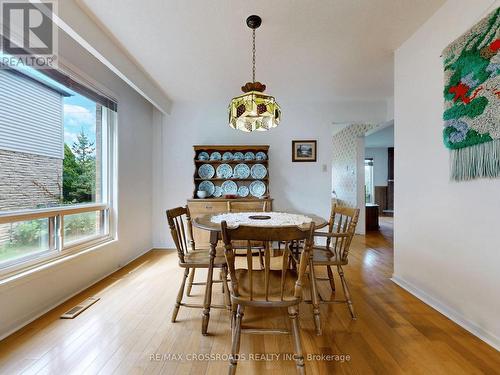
[{"x": 304, "y": 150}]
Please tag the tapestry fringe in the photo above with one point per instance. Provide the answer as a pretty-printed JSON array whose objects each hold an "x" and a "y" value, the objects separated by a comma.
[{"x": 481, "y": 160}]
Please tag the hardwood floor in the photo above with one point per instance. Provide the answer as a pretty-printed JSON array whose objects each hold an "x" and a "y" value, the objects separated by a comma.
[{"x": 129, "y": 331}]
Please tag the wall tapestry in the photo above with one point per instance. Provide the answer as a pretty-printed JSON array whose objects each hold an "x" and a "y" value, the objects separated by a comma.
[{"x": 472, "y": 101}]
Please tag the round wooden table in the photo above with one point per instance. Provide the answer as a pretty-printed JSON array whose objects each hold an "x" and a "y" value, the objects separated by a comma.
[{"x": 205, "y": 222}]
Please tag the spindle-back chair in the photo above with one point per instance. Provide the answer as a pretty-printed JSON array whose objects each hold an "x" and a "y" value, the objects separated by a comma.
[
  {"x": 179, "y": 221},
  {"x": 266, "y": 288}
]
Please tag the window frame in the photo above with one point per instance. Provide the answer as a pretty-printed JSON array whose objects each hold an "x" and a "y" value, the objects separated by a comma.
[{"x": 107, "y": 207}]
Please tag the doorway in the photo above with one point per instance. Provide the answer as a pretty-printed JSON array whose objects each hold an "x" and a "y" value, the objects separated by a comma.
[{"x": 379, "y": 176}]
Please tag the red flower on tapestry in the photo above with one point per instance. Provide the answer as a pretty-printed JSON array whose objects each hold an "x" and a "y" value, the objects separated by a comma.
[
  {"x": 495, "y": 46},
  {"x": 460, "y": 92}
]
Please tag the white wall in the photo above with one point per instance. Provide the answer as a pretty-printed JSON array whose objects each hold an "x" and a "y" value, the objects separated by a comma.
[
  {"x": 380, "y": 167},
  {"x": 24, "y": 299},
  {"x": 447, "y": 234},
  {"x": 303, "y": 187}
]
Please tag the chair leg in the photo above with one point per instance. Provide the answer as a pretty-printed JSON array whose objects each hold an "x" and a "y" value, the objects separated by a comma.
[
  {"x": 299, "y": 356},
  {"x": 207, "y": 300},
  {"x": 330, "y": 277},
  {"x": 315, "y": 298},
  {"x": 190, "y": 282},
  {"x": 261, "y": 259},
  {"x": 225, "y": 288},
  {"x": 346, "y": 292},
  {"x": 234, "y": 307},
  {"x": 236, "y": 338},
  {"x": 179, "y": 296}
]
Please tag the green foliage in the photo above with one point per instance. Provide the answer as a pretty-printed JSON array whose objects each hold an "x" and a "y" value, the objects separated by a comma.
[
  {"x": 472, "y": 138},
  {"x": 79, "y": 171},
  {"x": 27, "y": 233},
  {"x": 24, "y": 235},
  {"x": 471, "y": 110},
  {"x": 79, "y": 225}
]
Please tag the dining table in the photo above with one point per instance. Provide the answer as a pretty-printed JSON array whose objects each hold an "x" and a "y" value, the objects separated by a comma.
[{"x": 211, "y": 223}]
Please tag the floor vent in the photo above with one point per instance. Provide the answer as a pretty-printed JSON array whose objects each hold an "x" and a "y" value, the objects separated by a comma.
[{"x": 78, "y": 309}]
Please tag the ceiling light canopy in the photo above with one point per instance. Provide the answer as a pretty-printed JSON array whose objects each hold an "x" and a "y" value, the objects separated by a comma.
[{"x": 254, "y": 110}]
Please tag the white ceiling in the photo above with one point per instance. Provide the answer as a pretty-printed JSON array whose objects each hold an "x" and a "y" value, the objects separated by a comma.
[{"x": 314, "y": 50}]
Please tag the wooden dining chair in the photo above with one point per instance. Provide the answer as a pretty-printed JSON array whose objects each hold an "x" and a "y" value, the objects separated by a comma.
[
  {"x": 239, "y": 206},
  {"x": 179, "y": 221},
  {"x": 341, "y": 230},
  {"x": 267, "y": 288},
  {"x": 251, "y": 205}
]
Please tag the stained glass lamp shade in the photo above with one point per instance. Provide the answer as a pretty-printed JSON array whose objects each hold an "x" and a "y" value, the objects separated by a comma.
[{"x": 254, "y": 110}]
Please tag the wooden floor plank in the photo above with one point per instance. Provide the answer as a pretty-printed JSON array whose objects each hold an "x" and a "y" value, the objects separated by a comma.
[{"x": 129, "y": 330}]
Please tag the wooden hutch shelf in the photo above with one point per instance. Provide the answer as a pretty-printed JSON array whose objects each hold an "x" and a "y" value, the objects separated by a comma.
[{"x": 215, "y": 205}]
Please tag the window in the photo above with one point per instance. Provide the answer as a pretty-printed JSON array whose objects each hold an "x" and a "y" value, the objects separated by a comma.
[
  {"x": 56, "y": 166},
  {"x": 369, "y": 185}
]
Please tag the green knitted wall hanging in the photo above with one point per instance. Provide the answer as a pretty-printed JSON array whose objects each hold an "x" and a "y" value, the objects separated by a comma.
[{"x": 472, "y": 101}]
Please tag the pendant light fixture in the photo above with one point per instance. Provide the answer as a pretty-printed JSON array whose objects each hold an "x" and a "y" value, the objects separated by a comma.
[{"x": 254, "y": 110}]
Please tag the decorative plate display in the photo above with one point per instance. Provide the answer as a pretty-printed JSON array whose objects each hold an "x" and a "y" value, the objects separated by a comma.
[
  {"x": 243, "y": 191},
  {"x": 241, "y": 171},
  {"x": 227, "y": 155},
  {"x": 257, "y": 189},
  {"x": 215, "y": 156},
  {"x": 249, "y": 156},
  {"x": 218, "y": 192},
  {"x": 206, "y": 171},
  {"x": 229, "y": 187},
  {"x": 258, "y": 171},
  {"x": 207, "y": 186},
  {"x": 224, "y": 171},
  {"x": 238, "y": 156},
  {"x": 261, "y": 155},
  {"x": 203, "y": 155}
]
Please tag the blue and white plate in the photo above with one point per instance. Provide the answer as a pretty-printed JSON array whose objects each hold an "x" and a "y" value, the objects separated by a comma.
[
  {"x": 227, "y": 155},
  {"x": 243, "y": 191},
  {"x": 241, "y": 171},
  {"x": 258, "y": 171},
  {"x": 224, "y": 171},
  {"x": 257, "y": 189},
  {"x": 218, "y": 192},
  {"x": 215, "y": 156},
  {"x": 238, "y": 156},
  {"x": 207, "y": 186},
  {"x": 206, "y": 171},
  {"x": 229, "y": 187},
  {"x": 249, "y": 155},
  {"x": 261, "y": 155},
  {"x": 203, "y": 156}
]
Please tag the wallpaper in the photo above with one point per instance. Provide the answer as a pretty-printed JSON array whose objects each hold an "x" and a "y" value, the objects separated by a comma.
[{"x": 344, "y": 170}]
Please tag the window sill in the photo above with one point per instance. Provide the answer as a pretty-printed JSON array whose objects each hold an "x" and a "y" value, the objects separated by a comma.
[{"x": 22, "y": 272}]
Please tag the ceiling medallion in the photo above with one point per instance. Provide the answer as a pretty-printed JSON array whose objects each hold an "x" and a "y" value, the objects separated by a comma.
[{"x": 254, "y": 110}]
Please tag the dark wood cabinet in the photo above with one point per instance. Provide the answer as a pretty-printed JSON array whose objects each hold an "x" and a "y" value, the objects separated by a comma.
[{"x": 371, "y": 216}]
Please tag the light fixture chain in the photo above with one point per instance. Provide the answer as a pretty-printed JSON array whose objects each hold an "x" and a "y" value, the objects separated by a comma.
[{"x": 253, "y": 56}]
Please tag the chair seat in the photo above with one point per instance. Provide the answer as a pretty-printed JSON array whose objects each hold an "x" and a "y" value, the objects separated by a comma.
[
  {"x": 243, "y": 277},
  {"x": 322, "y": 255},
  {"x": 201, "y": 258}
]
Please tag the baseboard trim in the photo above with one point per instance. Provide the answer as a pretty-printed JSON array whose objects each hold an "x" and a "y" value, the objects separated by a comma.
[
  {"x": 450, "y": 313},
  {"x": 64, "y": 299}
]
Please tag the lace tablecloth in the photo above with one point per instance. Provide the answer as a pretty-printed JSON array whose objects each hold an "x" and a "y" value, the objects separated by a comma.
[{"x": 277, "y": 219}]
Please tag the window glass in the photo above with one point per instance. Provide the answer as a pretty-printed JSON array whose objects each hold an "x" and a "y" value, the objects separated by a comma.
[
  {"x": 369, "y": 185},
  {"x": 25, "y": 238},
  {"x": 51, "y": 143},
  {"x": 82, "y": 226}
]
